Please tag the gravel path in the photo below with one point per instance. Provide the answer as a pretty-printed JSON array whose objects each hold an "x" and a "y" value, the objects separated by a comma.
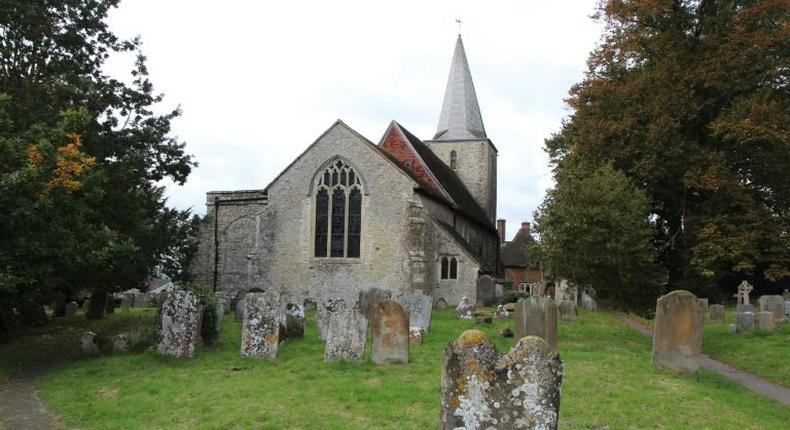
[
  {"x": 20, "y": 407},
  {"x": 749, "y": 380}
]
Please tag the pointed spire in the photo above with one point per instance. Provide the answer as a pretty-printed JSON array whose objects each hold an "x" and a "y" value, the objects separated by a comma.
[{"x": 460, "y": 118}]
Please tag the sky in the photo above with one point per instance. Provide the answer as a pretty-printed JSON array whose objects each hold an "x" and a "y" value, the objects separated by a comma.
[{"x": 259, "y": 81}]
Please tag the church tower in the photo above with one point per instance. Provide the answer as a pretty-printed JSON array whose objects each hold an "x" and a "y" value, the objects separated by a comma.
[{"x": 461, "y": 140}]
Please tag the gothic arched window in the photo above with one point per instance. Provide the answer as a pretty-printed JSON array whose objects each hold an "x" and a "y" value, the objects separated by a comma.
[
  {"x": 453, "y": 160},
  {"x": 449, "y": 268},
  {"x": 338, "y": 212}
]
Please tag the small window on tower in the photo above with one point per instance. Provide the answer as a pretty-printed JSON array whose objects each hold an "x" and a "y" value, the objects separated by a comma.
[{"x": 453, "y": 160}]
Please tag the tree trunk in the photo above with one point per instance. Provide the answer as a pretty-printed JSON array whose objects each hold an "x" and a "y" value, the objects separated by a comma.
[
  {"x": 109, "y": 307},
  {"x": 96, "y": 305}
]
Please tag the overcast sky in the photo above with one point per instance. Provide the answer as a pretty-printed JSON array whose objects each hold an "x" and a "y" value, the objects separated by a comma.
[{"x": 259, "y": 81}]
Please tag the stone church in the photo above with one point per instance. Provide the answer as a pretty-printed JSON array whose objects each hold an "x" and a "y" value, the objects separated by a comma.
[{"x": 349, "y": 215}]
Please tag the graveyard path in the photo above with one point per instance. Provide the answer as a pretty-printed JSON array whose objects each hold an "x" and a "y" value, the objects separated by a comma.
[
  {"x": 748, "y": 380},
  {"x": 20, "y": 406}
]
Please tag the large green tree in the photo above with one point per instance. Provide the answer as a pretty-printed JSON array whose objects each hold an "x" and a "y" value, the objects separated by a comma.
[
  {"x": 52, "y": 54},
  {"x": 690, "y": 100}
]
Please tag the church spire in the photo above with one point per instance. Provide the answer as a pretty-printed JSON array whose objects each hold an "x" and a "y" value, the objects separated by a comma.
[{"x": 460, "y": 118}]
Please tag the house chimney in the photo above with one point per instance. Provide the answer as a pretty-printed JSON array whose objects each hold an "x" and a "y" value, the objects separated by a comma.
[
  {"x": 500, "y": 228},
  {"x": 525, "y": 227}
]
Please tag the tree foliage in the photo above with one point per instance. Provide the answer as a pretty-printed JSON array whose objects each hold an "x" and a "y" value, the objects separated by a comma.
[
  {"x": 83, "y": 153},
  {"x": 689, "y": 99}
]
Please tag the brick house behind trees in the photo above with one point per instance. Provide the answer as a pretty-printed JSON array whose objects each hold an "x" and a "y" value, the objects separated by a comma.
[{"x": 515, "y": 259}]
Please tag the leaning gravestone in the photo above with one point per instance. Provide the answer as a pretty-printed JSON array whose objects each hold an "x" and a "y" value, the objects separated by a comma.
[
  {"x": 677, "y": 342},
  {"x": 483, "y": 389},
  {"x": 465, "y": 308},
  {"x": 536, "y": 316},
  {"x": 773, "y": 304},
  {"x": 179, "y": 323},
  {"x": 346, "y": 334},
  {"x": 486, "y": 291},
  {"x": 568, "y": 311},
  {"x": 260, "y": 333},
  {"x": 294, "y": 320},
  {"x": 88, "y": 344},
  {"x": 765, "y": 320},
  {"x": 390, "y": 328},
  {"x": 71, "y": 309},
  {"x": 717, "y": 313}
]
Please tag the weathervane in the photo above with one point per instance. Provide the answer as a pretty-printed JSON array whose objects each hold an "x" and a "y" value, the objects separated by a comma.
[{"x": 459, "y": 22}]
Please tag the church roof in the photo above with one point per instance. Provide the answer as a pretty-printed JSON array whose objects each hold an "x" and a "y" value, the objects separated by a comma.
[
  {"x": 515, "y": 253},
  {"x": 460, "y": 118}
]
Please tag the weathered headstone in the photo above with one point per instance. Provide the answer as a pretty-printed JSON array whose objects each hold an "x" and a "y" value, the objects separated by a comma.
[
  {"x": 419, "y": 307},
  {"x": 71, "y": 309},
  {"x": 483, "y": 389},
  {"x": 260, "y": 330},
  {"x": 294, "y": 320},
  {"x": 119, "y": 344},
  {"x": 465, "y": 308},
  {"x": 536, "y": 316},
  {"x": 85, "y": 304},
  {"x": 179, "y": 323},
  {"x": 568, "y": 311},
  {"x": 88, "y": 344},
  {"x": 368, "y": 300},
  {"x": 588, "y": 302},
  {"x": 732, "y": 329},
  {"x": 717, "y": 313},
  {"x": 787, "y": 309},
  {"x": 499, "y": 291},
  {"x": 786, "y": 295},
  {"x": 704, "y": 305},
  {"x": 390, "y": 329},
  {"x": 765, "y": 320},
  {"x": 238, "y": 305},
  {"x": 740, "y": 308},
  {"x": 126, "y": 303},
  {"x": 440, "y": 303},
  {"x": 322, "y": 318},
  {"x": 219, "y": 314},
  {"x": 486, "y": 291},
  {"x": 345, "y": 338},
  {"x": 744, "y": 321},
  {"x": 677, "y": 342},
  {"x": 774, "y": 304}
]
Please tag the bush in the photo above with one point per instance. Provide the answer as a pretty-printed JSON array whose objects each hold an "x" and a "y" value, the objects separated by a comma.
[{"x": 513, "y": 296}]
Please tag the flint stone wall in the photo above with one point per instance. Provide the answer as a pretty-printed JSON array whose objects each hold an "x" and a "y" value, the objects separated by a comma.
[
  {"x": 483, "y": 389},
  {"x": 179, "y": 324},
  {"x": 677, "y": 342}
]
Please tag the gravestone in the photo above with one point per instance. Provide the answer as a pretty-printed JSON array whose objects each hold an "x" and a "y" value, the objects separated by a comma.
[
  {"x": 766, "y": 321},
  {"x": 238, "y": 312},
  {"x": 260, "y": 330},
  {"x": 85, "y": 304},
  {"x": 88, "y": 344},
  {"x": 786, "y": 295},
  {"x": 536, "y": 316},
  {"x": 465, "y": 308},
  {"x": 483, "y": 389},
  {"x": 717, "y": 313},
  {"x": 486, "y": 291},
  {"x": 419, "y": 307},
  {"x": 390, "y": 329},
  {"x": 125, "y": 304},
  {"x": 322, "y": 318},
  {"x": 368, "y": 300},
  {"x": 787, "y": 309},
  {"x": 346, "y": 334},
  {"x": 677, "y": 339},
  {"x": 740, "y": 308},
  {"x": 704, "y": 305},
  {"x": 499, "y": 291},
  {"x": 219, "y": 314},
  {"x": 71, "y": 309},
  {"x": 440, "y": 303},
  {"x": 179, "y": 323},
  {"x": 568, "y": 311},
  {"x": 294, "y": 320},
  {"x": 744, "y": 321},
  {"x": 119, "y": 344},
  {"x": 588, "y": 302},
  {"x": 743, "y": 292},
  {"x": 774, "y": 304}
]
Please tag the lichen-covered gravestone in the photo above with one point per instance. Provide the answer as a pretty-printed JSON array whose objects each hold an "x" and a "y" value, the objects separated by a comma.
[
  {"x": 483, "y": 389},
  {"x": 568, "y": 311},
  {"x": 322, "y": 317},
  {"x": 465, "y": 308},
  {"x": 294, "y": 320},
  {"x": 765, "y": 320},
  {"x": 390, "y": 328},
  {"x": 260, "y": 333},
  {"x": 773, "y": 304},
  {"x": 71, "y": 309},
  {"x": 717, "y": 313},
  {"x": 677, "y": 342},
  {"x": 536, "y": 316},
  {"x": 179, "y": 323},
  {"x": 486, "y": 290},
  {"x": 346, "y": 334}
]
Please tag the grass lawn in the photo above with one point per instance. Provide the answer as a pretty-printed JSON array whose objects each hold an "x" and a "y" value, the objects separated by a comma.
[
  {"x": 608, "y": 383},
  {"x": 61, "y": 337},
  {"x": 763, "y": 353}
]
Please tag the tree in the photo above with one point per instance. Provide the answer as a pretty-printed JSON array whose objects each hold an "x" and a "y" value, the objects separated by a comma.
[
  {"x": 689, "y": 99},
  {"x": 595, "y": 230},
  {"x": 51, "y": 58}
]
